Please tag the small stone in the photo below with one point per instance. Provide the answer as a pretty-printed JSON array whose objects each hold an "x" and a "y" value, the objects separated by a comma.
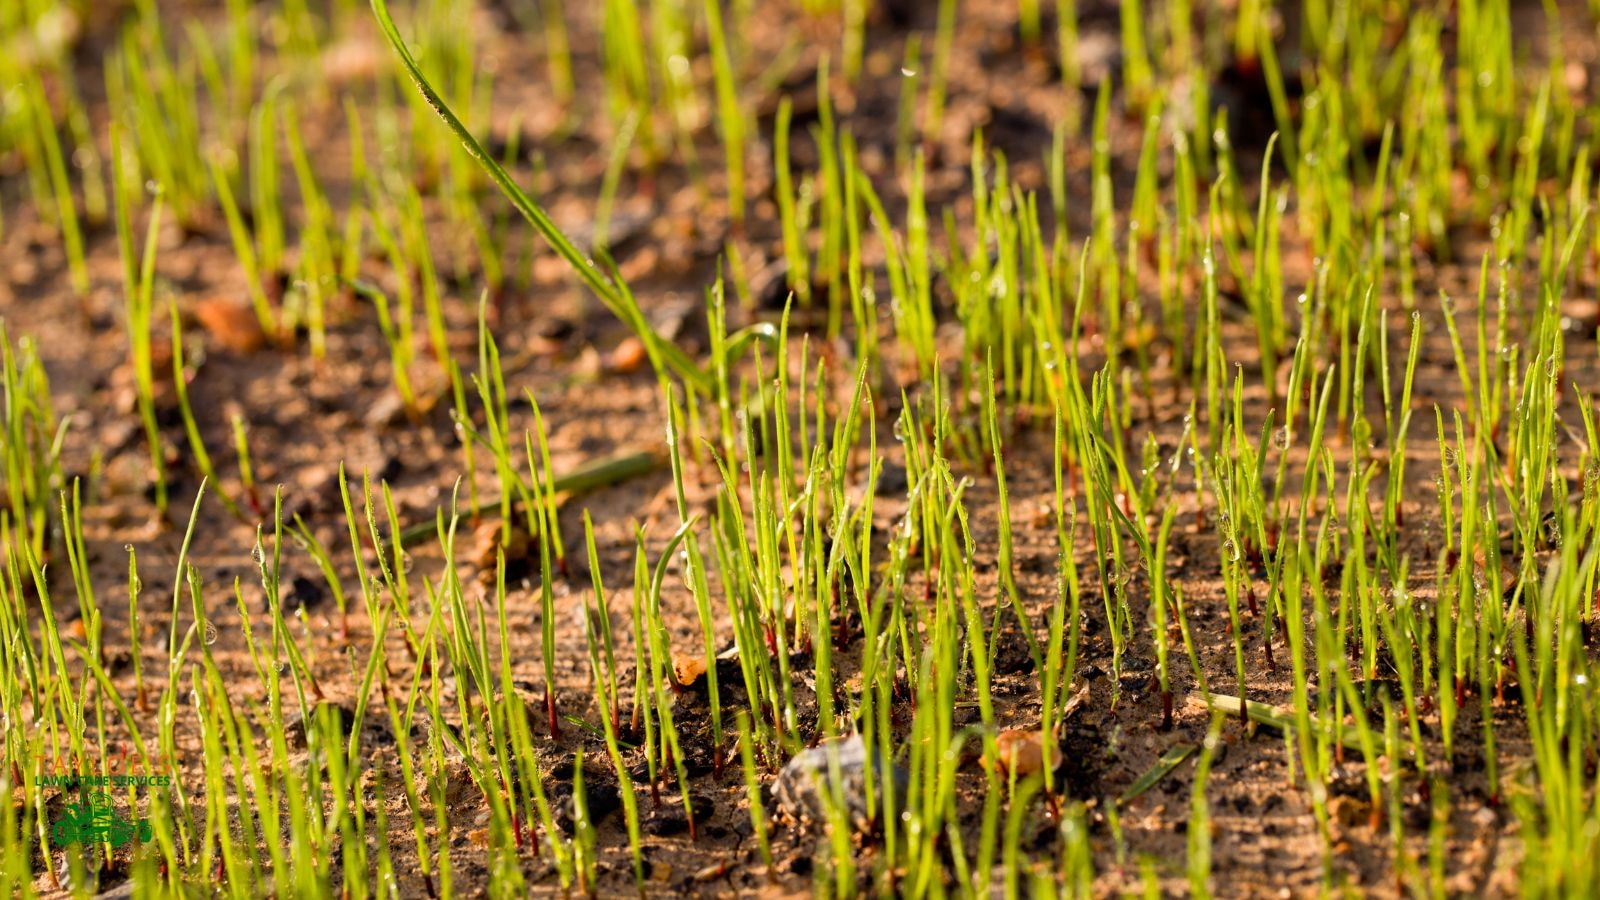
[
  {"x": 802, "y": 787},
  {"x": 601, "y": 798},
  {"x": 669, "y": 818},
  {"x": 294, "y": 729},
  {"x": 1042, "y": 517},
  {"x": 555, "y": 329},
  {"x": 771, "y": 288},
  {"x": 122, "y": 891},
  {"x": 628, "y": 356},
  {"x": 1577, "y": 77},
  {"x": 388, "y": 410}
]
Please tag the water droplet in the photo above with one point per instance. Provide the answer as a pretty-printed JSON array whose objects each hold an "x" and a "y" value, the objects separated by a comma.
[{"x": 1281, "y": 438}]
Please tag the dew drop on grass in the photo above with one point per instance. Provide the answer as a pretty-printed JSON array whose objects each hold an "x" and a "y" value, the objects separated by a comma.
[
  {"x": 1281, "y": 437},
  {"x": 210, "y": 634}
]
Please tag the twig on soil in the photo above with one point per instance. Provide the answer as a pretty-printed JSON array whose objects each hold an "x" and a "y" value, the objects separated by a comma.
[{"x": 608, "y": 471}]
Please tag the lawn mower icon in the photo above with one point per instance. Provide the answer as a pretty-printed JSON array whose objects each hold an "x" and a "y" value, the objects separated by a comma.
[{"x": 96, "y": 820}]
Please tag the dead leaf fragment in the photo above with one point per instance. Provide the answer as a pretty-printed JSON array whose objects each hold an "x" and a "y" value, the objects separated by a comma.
[
  {"x": 687, "y": 668},
  {"x": 1023, "y": 752},
  {"x": 490, "y": 537},
  {"x": 713, "y": 871},
  {"x": 231, "y": 324}
]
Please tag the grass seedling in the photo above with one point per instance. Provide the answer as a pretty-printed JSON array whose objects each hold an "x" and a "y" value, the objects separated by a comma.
[
  {"x": 180, "y": 381},
  {"x": 618, "y": 301},
  {"x": 139, "y": 282}
]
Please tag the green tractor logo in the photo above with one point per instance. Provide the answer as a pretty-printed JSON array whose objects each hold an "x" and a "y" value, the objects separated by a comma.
[{"x": 95, "y": 820}]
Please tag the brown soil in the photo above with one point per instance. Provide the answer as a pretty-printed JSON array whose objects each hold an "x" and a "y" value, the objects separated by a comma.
[{"x": 306, "y": 417}]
